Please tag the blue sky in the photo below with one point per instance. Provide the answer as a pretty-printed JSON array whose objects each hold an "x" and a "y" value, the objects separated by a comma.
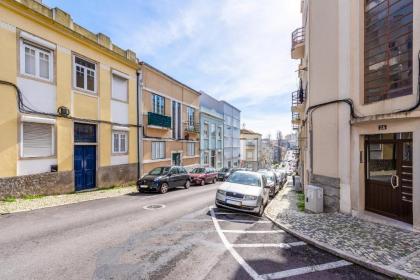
[{"x": 235, "y": 50}]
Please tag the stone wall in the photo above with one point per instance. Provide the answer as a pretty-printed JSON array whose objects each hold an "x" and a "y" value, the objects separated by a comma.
[
  {"x": 62, "y": 182},
  {"x": 331, "y": 187},
  {"x": 114, "y": 175},
  {"x": 44, "y": 183}
]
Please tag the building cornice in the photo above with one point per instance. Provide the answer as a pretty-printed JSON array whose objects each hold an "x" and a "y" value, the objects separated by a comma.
[{"x": 59, "y": 21}]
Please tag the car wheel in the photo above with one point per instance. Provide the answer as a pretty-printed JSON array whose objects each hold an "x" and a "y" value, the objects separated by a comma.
[
  {"x": 164, "y": 188},
  {"x": 214, "y": 181},
  {"x": 261, "y": 210},
  {"x": 187, "y": 184},
  {"x": 203, "y": 182}
]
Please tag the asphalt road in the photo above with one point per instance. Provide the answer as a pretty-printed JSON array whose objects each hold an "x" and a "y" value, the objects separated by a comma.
[{"x": 117, "y": 238}]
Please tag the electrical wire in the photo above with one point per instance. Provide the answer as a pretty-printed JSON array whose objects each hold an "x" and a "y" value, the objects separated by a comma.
[{"x": 23, "y": 108}]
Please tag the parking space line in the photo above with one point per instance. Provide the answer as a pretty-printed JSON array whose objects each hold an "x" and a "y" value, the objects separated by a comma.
[
  {"x": 305, "y": 270},
  {"x": 252, "y": 231},
  {"x": 254, "y": 275},
  {"x": 245, "y": 221},
  {"x": 268, "y": 245}
]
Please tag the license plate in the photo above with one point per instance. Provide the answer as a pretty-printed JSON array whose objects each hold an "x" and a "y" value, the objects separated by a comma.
[
  {"x": 233, "y": 202},
  {"x": 144, "y": 186}
]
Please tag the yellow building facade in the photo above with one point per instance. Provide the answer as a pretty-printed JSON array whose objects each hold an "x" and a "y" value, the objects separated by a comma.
[
  {"x": 170, "y": 112},
  {"x": 68, "y": 104}
]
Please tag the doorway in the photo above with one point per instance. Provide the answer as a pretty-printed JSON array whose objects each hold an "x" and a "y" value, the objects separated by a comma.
[
  {"x": 176, "y": 159},
  {"x": 84, "y": 156},
  {"x": 389, "y": 175}
]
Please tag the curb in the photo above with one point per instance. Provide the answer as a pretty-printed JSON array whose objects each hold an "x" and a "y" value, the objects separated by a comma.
[{"x": 384, "y": 269}]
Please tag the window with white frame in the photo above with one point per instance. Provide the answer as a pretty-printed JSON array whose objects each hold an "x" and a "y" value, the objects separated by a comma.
[
  {"x": 190, "y": 149},
  {"x": 119, "y": 142},
  {"x": 158, "y": 104},
  {"x": 36, "y": 61},
  {"x": 158, "y": 150},
  {"x": 37, "y": 140},
  {"x": 206, "y": 130},
  {"x": 119, "y": 88},
  {"x": 206, "y": 157},
  {"x": 190, "y": 113},
  {"x": 84, "y": 73}
]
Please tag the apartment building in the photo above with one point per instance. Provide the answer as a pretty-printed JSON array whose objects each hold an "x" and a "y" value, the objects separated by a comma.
[
  {"x": 170, "y": 113},
  {"x": 232, "y": 126},
  {"x": 357, "y": 109},
  {"x": 267, "y": 153},
  {"x": 251, "y": 143},
  {"x": 211, "y": 125},
  {"x": 67, "y": 105}
]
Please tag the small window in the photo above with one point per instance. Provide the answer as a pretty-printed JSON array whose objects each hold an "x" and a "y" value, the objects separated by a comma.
[
  {"x": 206, "y": 158},
  {"x": 37, "y": 140},
  {"x": 158, "y": 150},
  {"x": 119, "y": 88},
  {"x": 119, "y": 142},
  {"x": 158, "y": 104},
  {"x": 190, "y": 149},
  {"x": 36, "y": 62},
  {"x": 206, "y": 130},
  {"x": 190, "y": 113},
  {"x": 84, "y": 74}
]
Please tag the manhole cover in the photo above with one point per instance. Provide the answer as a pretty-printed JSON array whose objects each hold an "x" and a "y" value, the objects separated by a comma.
[{"x": 154, "y": 206}]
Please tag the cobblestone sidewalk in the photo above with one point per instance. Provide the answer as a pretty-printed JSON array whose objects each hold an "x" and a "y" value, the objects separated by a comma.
[
  {"x": 55, "y": 200},
  {"x": 390, "y": 250}
]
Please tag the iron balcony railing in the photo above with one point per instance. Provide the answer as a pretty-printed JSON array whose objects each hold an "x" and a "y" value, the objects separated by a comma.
[
  {"x": 295, "y": 120},
  {"x": 298, "y": 97},
  {"x": 298, "y": 37},
  {"x": 159, "y": 120},
  {"x": 192, "y": 127}
]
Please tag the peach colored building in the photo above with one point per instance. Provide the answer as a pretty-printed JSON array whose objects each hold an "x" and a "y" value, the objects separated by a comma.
[
  {"x": 356, "y": 110},
  {"x": 170, "y": 113}
]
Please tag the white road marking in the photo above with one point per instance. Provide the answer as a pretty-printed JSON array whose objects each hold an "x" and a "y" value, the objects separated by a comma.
[
  {"x": 304, "y": 270},
  {"x": 268, "y": 245},
  {"x": 253, "y": 231},
  {"x": 221, "y": 220},
  {"x": 245, "y": 221},
  {"x": 228, "y": 246}
]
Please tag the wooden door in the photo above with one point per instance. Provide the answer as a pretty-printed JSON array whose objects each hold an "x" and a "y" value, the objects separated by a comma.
[{"x": 388, "y": 177}]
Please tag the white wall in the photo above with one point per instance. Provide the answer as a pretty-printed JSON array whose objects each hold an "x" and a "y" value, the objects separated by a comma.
[
  {"x": 119, "y": 112},
  {"x": 40, "y": 96},
  {"x": 35, "y": 166}
]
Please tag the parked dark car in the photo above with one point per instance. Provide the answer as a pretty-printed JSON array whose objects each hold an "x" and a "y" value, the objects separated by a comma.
[
  {"x": 162, "y": 179},
  {"x": 221, "y": 174},
  {"x": 203, "y": 175}
]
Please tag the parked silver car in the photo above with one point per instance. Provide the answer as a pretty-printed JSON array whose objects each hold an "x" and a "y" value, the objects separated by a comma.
[{"x": 245, "y": 191}]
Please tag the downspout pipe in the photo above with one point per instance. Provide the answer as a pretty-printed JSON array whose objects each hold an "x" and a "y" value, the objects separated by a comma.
[{"x": 138, "y": 123}]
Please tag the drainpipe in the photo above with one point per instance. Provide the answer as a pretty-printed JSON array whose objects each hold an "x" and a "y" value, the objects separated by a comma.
[{"x": 139, "y": 112}]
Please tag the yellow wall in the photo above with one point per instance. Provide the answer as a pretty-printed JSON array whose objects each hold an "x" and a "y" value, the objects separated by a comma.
[
  {"x": 81, "y": 105},
  {"x": 8, "y": 106}
]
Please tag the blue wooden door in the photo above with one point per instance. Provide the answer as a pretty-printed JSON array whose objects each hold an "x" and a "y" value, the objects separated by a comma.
[{"x": 84, "y": 167}]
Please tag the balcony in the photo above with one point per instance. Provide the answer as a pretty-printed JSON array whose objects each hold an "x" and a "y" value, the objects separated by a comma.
[
  {"x": 192, "y": 127},
  {"x": 298, "y": 101},
  {"x": 158, "y": 121},
  {"x": 296, "y": 120},
  {"x": 298, "y": 43}
]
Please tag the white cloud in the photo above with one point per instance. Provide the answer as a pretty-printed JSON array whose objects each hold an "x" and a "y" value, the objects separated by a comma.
[{"x": 238, "y": 50}]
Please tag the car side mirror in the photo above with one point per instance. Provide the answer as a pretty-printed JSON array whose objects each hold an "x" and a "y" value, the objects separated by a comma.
[
  {"x": 170, "y": 174},
  {"x": 266, "y": 186}
]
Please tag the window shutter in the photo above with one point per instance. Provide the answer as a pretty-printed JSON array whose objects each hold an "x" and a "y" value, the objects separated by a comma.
[
  {"x": 37, "y": 140},
  {"x": 162, "y": 150},
  {"x": 119, "y": 88}
]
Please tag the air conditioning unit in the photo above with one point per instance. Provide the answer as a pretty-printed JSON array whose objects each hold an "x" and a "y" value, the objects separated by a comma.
[{"x": 314, "y": 199}]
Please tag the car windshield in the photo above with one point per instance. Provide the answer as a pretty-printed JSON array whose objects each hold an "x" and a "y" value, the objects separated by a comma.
[
  {"x": 198, "y": 170},
  {"x": 159, "y": 171},
  {"x": 245, "y": 179}
]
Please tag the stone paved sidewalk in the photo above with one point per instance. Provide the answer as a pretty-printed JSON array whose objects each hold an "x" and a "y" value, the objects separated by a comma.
[
  {"x": 386, "y": 249},
  {"x": 55, "y": 200}
]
